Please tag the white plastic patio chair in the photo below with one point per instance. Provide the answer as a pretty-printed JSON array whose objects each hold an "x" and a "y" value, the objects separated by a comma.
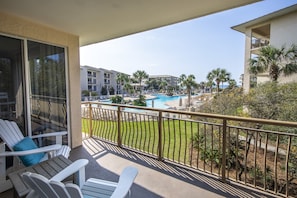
[
  {"x": 54, "y": 188},
  {"x": 14, "y": 139}
]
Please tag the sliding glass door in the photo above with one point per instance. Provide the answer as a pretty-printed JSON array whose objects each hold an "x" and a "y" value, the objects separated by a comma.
[
  {"x": 47, "y": 91},
  {"x": 12, "y": 79},
  {"x": 33, "y": 86}
]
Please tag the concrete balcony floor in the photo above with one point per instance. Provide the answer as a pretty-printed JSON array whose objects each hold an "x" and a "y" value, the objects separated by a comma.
[{"x": 155, "y": 179}]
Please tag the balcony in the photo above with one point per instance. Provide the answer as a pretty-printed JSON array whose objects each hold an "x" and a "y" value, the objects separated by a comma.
[
  {"x": 156, "y": 179},
  {"x": 258, "y": 43},
  {"x": 185, "y": 154},
  {"x": 251, "y": 153}
]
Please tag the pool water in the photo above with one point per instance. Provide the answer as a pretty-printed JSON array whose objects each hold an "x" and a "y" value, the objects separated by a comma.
[{"x": 160, "y": 100}]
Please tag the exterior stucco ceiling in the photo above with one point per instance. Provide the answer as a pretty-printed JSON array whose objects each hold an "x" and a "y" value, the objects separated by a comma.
[{"x": 99, "y": 20}]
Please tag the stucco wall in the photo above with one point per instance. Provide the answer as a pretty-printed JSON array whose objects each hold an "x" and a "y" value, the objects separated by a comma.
[
  {"x": 14, "y": 26},
  {"x": 284, "y": 30}
]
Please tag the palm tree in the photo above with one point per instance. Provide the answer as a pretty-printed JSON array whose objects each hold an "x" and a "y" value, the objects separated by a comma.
[
  {"x": 129, "y": 88},
  {"x": 152, "y": 84},
  {"x": 163, "y": 85},
  {"x": 210, "y": 84},
  {"x": 139, "y": 76},
  {"x": 188, "y": 82},
  {"x": 218, "y": 76},
  {"x": 122, "y": 79},
  {"x": 232, "y": 83},
  {"x": 202, "y": 85},
  {"x": 275, "y": 61},
  {"x": 225, "y": 76}
]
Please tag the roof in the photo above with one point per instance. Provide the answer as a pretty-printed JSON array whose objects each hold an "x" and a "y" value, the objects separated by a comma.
[
  {"x": 242, "y": 27},
  {"x": 91, "y": 68},
  {"x": 100, "y": 20},
  {"x": 162, "y": 76}
]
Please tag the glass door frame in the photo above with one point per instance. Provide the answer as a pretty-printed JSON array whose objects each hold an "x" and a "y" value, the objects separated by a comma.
[{"x": 27, "y": 84}]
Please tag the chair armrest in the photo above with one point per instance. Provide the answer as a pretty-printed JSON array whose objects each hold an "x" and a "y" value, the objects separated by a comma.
[
  {"x": 58, "y": 136},
  {"x": 32, "y": 151},
  {"x": 126, "y": 180},
  {"x": 77, "y": 168}
]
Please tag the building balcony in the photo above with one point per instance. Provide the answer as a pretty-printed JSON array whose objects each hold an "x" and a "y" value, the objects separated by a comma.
[{"x": 258, "y": 43}]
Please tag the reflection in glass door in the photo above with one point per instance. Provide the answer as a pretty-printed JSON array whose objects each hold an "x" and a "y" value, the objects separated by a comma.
[
  {"x": 33, "y": 94},
  {"x": 11, "y": 81},
  {"x": 47, "y": 88}
]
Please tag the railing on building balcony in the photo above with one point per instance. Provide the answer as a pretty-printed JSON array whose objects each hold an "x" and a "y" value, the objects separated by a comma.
[
  {"x": 253, "y": 152},
  {"x": 256, "y": 43}
]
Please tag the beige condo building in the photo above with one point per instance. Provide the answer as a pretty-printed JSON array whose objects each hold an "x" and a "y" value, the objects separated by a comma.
[{"x": 277, "y": 29}]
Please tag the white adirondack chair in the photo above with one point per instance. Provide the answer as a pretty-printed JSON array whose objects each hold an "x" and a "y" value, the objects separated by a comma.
[
  {"x": 11, "y": 135},
  {"x": 54, "y": 188}
]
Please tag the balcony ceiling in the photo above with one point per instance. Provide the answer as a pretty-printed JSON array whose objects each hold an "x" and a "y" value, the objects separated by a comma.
[{"x": 99, "y": 20}]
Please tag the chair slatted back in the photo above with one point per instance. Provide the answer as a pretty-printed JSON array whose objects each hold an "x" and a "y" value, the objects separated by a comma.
[
  {"x": 53, "y": 189},
  {"x": 91, "y": 188},
  {"x": 10, "y": 133},
  {"x": 39, "y": 184},
  {"x": 60, "y": 189},
  {"x": 74, "y": 191}
]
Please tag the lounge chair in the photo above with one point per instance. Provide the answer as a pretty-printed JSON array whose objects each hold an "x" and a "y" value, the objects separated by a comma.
[
  {"x": 24, "y": 149},
  {"x": 43, "y": 187}
]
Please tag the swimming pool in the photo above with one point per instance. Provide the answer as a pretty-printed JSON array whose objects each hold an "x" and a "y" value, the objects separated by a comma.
[{"x": 160, "y": 100}]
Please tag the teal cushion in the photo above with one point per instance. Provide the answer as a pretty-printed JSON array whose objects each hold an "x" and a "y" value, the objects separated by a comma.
[{"x": 28, "y": 144}]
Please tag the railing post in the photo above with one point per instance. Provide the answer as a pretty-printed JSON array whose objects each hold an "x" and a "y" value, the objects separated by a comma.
[
  {"x": 160, "y": 154},
  {"x": 119, "y": 127},
  {"x": 90, "y": 119},
  {"x": 224, "y": 139}
]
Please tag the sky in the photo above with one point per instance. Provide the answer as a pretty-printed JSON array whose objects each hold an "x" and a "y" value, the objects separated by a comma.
[{"x": 192, "y": 47}]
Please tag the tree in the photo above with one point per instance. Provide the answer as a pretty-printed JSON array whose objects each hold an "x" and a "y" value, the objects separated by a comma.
[
  {"x": 116, "y": 99},
  {"x": 104, "y": 91},
  {"x": 275, "y": 101},
  {"x": 139, "y": 76},
  {"x": 210, "y": 84},
  {"x": 275, "y": 61},
  {"x": 232, "y": 83},
  {"x": 140, "y": 101},
  {"x": 163, "y": 85},
  {"x": 152, "y": 84},
  {"x": 188, "y": 82},
  {"x": 218, "y": 76},
  {"x": 122, "y": 79},
  {"x": 229, "y": 102},
  {"x": 202, "y": 86},
  {"x": 128, "y": 88},
  {"x": 111, "y": 90}
]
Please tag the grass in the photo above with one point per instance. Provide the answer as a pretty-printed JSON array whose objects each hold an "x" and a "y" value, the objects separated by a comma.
[{"x": 177, "y": 135}]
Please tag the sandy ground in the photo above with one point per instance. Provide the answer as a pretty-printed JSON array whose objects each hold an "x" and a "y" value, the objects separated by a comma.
[
  {"x": 147, "y": 96},
  {"x": 177, "y": 104},
  {"x": 196, "y": 101}
]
